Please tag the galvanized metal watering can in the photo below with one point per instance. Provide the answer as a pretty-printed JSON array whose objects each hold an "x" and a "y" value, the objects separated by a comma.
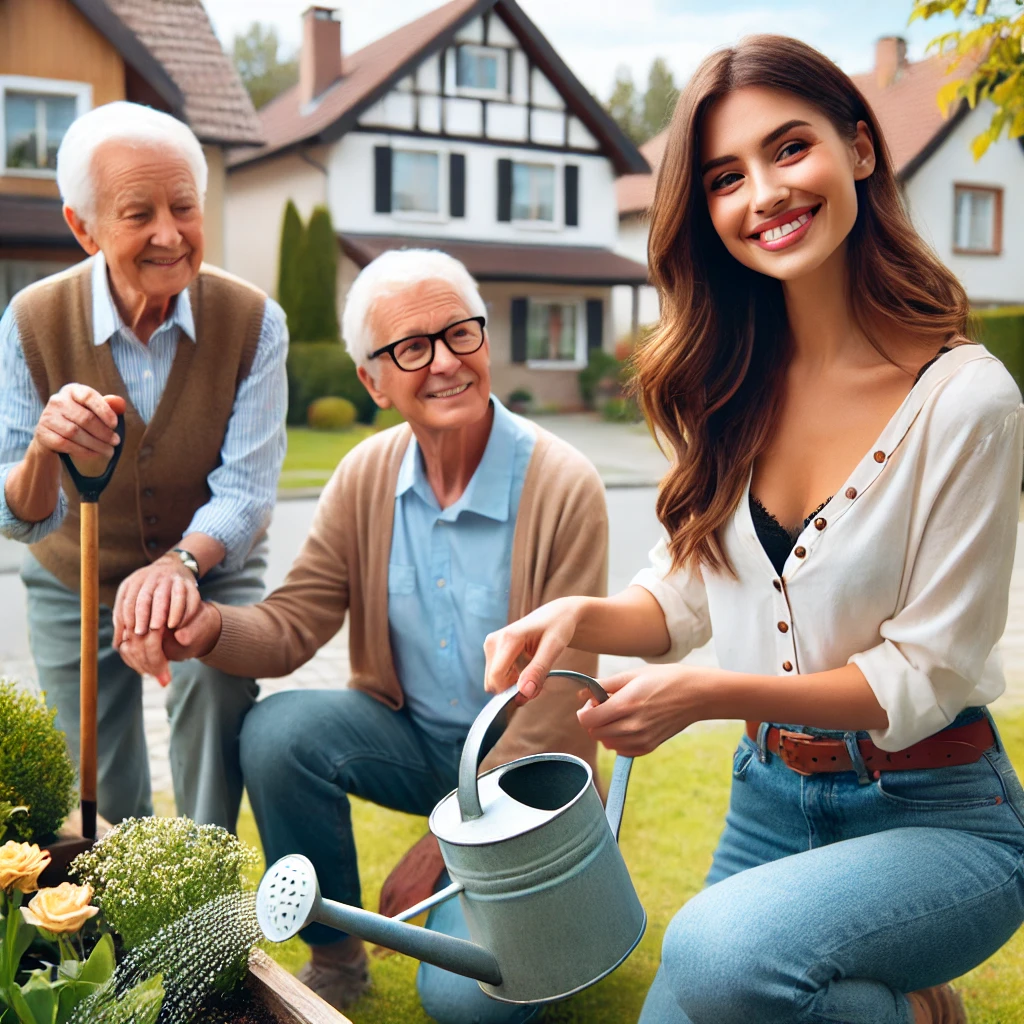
[{"x": 534, "y": 859}]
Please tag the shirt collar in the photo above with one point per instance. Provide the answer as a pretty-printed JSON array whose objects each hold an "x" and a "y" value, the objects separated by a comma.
[
  {"x": 490, "y": 488},
  {"x": 106, "y": 320}
]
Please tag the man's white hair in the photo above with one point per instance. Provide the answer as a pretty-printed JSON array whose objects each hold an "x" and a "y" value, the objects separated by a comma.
[
  {"x": 131, "y": 123},
  {"x": 388, "y": 274}
]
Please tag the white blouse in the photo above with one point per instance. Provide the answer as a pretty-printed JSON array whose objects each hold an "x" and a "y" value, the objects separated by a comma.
[{"x": 905, "y": 572}]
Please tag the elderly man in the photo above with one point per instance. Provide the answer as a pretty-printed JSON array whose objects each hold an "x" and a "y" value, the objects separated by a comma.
[
  {"x": 194, "y": 359},
  {"x": 430, "y": 535}
]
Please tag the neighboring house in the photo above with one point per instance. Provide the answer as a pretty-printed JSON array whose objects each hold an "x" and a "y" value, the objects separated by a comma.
[
  {"x": 60, "y": 58},
  {"x": 464, "y": 131},
  {"x": 971, "y": 212}
]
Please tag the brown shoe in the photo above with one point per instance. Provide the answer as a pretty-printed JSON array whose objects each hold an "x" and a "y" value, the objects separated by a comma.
[
  {"x": 338, "y": 973},
  {"x": 938, "y": 1005}
]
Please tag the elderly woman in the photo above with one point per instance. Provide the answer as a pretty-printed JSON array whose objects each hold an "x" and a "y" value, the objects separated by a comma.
[
  {"x": 194, "y": 360},
  {"x": 430, "y": 535}
]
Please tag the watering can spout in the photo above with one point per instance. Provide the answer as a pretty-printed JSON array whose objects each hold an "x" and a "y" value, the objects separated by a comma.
[{"x": 289, "y": 899}]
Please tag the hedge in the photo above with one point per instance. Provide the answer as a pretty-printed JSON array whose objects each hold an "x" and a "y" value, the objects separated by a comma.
[
  {"x": 317, "y": 369},
  {"x": 1001, "y": 331}
]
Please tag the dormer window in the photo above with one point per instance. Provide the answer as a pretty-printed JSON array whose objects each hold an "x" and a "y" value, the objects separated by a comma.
[{"x": 480, "y": 70}]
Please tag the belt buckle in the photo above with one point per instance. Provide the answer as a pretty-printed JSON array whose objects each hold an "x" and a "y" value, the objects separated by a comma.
[{"x": 789, "y": 744}]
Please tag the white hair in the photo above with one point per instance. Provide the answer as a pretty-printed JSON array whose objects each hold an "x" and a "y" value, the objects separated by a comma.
[
  {"x": 132, "y": 123},
  {"x": 388, "y": 274}
]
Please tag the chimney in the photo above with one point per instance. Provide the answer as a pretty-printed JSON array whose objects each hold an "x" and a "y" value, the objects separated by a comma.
[
  {"x": 320, "y": 57},
  {"x": 890, "y": 59}
]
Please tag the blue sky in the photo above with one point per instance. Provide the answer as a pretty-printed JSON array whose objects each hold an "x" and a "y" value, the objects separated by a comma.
[{"x": 595, "y": 37}]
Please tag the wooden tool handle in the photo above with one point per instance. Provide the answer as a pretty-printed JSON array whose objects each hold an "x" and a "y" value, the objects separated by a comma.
[{"x": 90, "y": 591}]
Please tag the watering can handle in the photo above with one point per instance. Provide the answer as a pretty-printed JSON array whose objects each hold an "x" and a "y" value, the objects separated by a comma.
[
  {"x": 91, "y": 487},
  {"x": 469, "y": 796}
]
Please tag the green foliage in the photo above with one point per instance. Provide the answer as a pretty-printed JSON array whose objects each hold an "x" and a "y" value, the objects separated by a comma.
[
  {"x": 288, "y": 265},
  {"x": 331, "y": 413},
  {"x": 320, "y": 368},
  {"x": 660, "y": 98},
  {"x": 1001, "y": 331},
  {"x": 624, "y": 106},
  {"x": 602, "y": 369},
  {"x": 35, "y": 769},
  {"x": 149, "y": 872},
  {"x": 621, "y": 410},
  {"x": 991, "y": 52},
  {"x": 259, "y": 65},
  {"x": 384, "y": 418},
  {"x": 316, "y": 315},
  {"x": 642, "y": 116}
]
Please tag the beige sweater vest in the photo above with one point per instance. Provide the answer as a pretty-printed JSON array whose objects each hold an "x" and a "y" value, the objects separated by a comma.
[{"x": 160, "y": 480}]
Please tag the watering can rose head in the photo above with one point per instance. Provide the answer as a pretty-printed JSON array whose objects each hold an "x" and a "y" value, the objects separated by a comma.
[
  {"x": 60, "y": 911},
  {"x": 20, "y": 866}
]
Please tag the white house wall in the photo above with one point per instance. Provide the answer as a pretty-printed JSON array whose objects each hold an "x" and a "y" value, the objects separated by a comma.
[
  {"x": 632, "y": 243},
  {"x": 930, "y": 198}
]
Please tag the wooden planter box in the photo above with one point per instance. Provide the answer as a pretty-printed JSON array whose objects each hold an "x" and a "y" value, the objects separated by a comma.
[{"x": 285, "y": 996}]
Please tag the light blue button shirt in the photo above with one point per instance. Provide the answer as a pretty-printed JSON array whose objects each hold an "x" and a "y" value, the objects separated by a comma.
[
  {"x": 449, "y": 577},
  {"x": 242, "y": 488}
]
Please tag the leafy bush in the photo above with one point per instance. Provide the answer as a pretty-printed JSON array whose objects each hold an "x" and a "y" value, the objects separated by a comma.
[
  {"x": 621, "y": 410},
  {"x": 602, "y": 368},
  {"x": 35, "y": 769},
  {"x": 149, "y": 872},
  {"x": 384, "y": 418},
  {"x": 1001, "y": 331},
  {"x": 320, "y": 368},
  {"x": 331, "y": 413},
  {"x": 519, "y": 399}
]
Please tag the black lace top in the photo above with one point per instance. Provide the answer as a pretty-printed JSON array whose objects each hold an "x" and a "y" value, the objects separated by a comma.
[{"x": 775, "y": 538}]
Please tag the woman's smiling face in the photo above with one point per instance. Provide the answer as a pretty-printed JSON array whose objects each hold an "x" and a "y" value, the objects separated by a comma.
[{"x": 780, "y": 180}]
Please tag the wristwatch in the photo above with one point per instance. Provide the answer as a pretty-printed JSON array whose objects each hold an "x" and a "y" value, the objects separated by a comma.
[{"x": 188, "y": 560}]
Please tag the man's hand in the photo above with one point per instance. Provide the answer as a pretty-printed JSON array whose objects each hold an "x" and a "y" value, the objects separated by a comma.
[
  {"x": 158, "y": 595},
  {"x": 413, "y": 878},
  {"x": 151, "y": 652},
  {"x": 80, "y": 422}
]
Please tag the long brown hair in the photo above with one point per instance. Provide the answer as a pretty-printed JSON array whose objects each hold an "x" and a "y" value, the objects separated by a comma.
[{"x": 709, "y": 378}]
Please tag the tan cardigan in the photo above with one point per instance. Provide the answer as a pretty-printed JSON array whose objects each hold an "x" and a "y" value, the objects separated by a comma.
[{"x": 560, "y": 548}]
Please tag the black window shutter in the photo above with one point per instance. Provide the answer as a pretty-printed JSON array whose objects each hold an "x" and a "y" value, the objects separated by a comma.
[
  {"x": 382, "y": 178},
  {"x": 572, "y": 195},
  {"x": 505, "y": 190},
  {"x": 595, "y": 323},
  {"x": 457, "y": 185},
  {"x": 519, "y": 330}
]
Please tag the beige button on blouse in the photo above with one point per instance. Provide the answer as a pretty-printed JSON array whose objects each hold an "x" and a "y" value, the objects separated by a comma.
[{"x": 908, "y": 578}]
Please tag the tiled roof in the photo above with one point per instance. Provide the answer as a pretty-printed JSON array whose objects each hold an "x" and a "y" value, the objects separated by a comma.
[
  {"x": 635, "y": 192},
  {"x": 180, "y": 37}
]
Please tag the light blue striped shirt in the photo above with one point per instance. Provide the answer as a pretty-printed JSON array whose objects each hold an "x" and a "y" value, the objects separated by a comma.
[
  {"x": 242, "y": 488},
  {"x": 449, "y": 576}
]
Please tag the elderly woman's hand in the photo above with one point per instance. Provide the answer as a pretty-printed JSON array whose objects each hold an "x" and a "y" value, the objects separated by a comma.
[
  {"x": 164, "y": 593},
  {"x": 151, "y": 652},
  {"x": 80, "y": 422}
]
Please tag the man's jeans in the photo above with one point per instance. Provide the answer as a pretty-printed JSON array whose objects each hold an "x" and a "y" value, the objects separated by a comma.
[
  {"x": 303, "y": 754},
  {"x": 827, "y": 900},
  {"x": 205, "y": 706}
]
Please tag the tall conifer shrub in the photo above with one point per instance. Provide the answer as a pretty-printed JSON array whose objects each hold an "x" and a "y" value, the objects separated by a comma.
[
  {"x": 288, "y": 293},
  {"x": 317, "y": 285}
]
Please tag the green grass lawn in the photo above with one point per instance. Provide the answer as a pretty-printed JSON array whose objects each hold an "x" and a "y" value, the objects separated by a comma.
[
  {"x": 313, "y": 454},
  {"x": 676, "y": 805}
]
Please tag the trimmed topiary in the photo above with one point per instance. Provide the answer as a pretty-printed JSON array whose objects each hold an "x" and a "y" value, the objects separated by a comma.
[
  {"x": 318, "y": 368},
  {"x": 317, "y": 316},
  {"x": 35, "y": 769},
  {"x": 331, "y": 413},
  {"x": 288, "y": 269}
]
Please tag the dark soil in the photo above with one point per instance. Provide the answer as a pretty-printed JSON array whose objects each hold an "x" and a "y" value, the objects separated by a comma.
[{"x": 240, "y": 1008}]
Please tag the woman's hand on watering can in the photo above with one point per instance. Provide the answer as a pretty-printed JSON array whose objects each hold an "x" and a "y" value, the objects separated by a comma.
[
  {"x": 538, "y": 639},
  {"x": 80, "y": 422}
]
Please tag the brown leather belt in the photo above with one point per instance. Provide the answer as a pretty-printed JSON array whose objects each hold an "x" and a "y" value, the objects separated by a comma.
[{"x": 808, "y": 755}]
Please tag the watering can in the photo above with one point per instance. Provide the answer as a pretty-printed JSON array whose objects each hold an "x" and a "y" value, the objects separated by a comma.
[{"x": 534, "y": 859}]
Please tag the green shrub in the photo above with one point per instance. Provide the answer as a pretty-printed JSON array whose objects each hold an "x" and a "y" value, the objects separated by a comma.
[
  {"x": 602, "y": 368},
  {"x": 288, "y": 268},
  {"x": 331, "y": 413},
  {"x": 149, "y": 872},
  {"x": 621, "y": 410},
  {"x": 35, "y": 769},
  {"x": 317, "y": 313},
  {"x": 384, "y": 418},
  {"x": 1001, "y": 331},
  {"x": 320, "y": 368}
]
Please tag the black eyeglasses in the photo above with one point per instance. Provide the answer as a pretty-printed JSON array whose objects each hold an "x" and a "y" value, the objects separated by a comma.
[{"x": 463, "y": 338}]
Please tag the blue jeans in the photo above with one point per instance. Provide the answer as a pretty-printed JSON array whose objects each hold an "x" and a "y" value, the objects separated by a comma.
[
  {"x": 204, "y": 705},
  {"x": 304, "y": 752},
  {"x": 828, "y": 900}
]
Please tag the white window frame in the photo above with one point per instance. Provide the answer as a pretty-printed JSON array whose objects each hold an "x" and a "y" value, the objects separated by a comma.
[
  {"x": 500, "y": 54},
  {"x": 557, "y": 223},
  {"x": 443, "y": 198},
  {"x": 581, "y": 333},
  {"x": 80, "y": 92}
]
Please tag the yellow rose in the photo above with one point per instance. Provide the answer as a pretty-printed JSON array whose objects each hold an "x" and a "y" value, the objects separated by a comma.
[
  {"x": 20, "y": 866},
  {"x": 61, "y": 911}
]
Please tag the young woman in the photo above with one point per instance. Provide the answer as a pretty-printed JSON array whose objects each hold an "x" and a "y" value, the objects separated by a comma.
[{"x": 841, "y": 515}]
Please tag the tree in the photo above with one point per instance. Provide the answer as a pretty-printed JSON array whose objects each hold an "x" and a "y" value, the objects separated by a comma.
[
  {"x": 624, "y": 105},
  {"x": 263, "y": 73},
  {"x": 991, "y": 52},
  {"x": 660, "y": 98},
  {"x": 288, "y": 265},
  {"x": 317, "y": 317}
]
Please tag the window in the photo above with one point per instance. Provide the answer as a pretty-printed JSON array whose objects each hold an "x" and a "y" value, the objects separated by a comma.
[
  {"x": 554, "y": 333},
  {"x": 480, "y": 69},
  {"x": 34, "y": 115},
  {"x": 978, "y": 220},
  {"x": 415, "y": 181},
  {"x": 18, "y": 274},
  {"x": 533, "y": 192}
]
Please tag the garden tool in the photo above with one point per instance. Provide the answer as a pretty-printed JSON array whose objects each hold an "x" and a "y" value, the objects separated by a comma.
[
  {"x": 89, "y": 490},
  {"x": 534, "y": 860}
]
